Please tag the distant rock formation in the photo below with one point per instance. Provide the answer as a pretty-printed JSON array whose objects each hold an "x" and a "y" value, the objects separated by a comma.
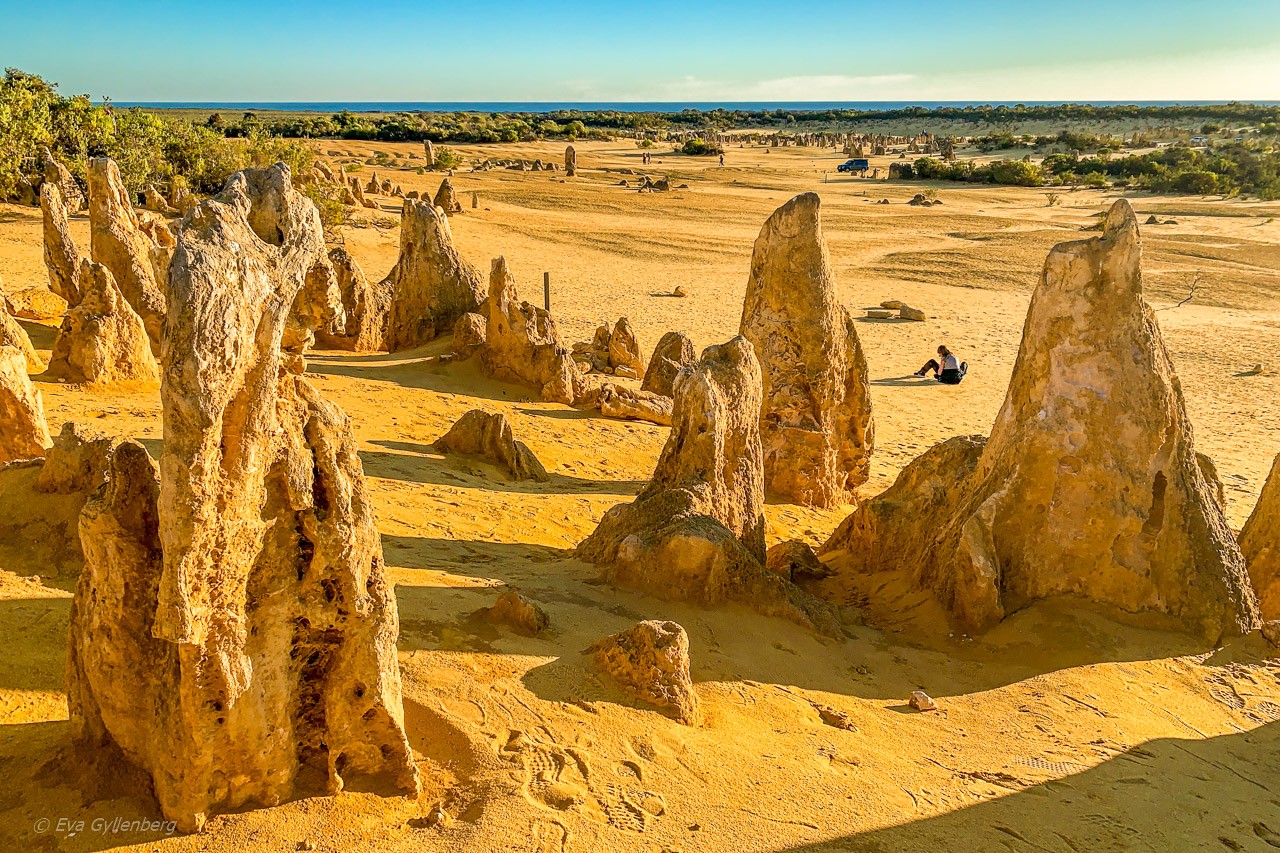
[
  {"x": 447, "y": 198},
  {"x": 24, "y": 434},
  {"x": 429, "y": 152},
  {"x": 613, "y": 351},
  {"x": 1089, "y": 485},
  {"x": 522, "y": 344},
  {"x": 673, "y": 353},
  {"x": 488, "y": 434},
  {"x": 431, "y": 285},
  {"x": 570, "y": 162},
  {"x": 102, "y": 339},
  {"x": 61, "y": 258},
  {"x": 118, "y": 243},
  {"x": 233, "y": 620},
  {"x": 365, "y": 308},
  {"x": 815, "y": 422}
]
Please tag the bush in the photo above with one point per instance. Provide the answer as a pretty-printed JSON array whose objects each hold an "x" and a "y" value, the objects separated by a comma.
[
  {"x": 1196, "y": 183},
  {"x": 700, "y": 147},
  {"x": 447, "y": 158}
]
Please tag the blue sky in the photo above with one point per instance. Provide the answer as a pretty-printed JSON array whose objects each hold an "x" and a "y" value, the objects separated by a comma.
[{"x": 389, "y": 50}]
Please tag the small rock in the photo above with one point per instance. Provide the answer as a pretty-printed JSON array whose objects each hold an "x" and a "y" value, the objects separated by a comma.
[
  {"x": 921, "y": 701},
  {"x": 650, "y": 661},
  {"x": 835, "y": 718},
  {"x": 679, "y": 292},
  {"x": 893, "y": 304},
  {"x": 305, "y": 845},
  {"x": 794, "y": 559},
  {"x": 514, "y": 610},
  {"x": 906, "y": 312}
]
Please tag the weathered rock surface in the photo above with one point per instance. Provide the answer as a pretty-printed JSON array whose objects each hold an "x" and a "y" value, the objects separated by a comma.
[
  {"x": 1089, "y": 485},
  {"x": 447, "y": 198},
  {"x": 1260, "y": 544},
  {"x": 650, "y": 661},
  {"x": 77, "y": 462},
  {"x": 431, "y": 285},
  {"x": 119, "y": 243},
  {"x": 469, "y": 335},
  {"x": 102, "y": 339},
  {"x": 35, "y": 303},
  {"x": 518, "y": 612},
  {"x": 614, "y": 351},
  {"x": 815, "y": 422},
  {"x": 794, "y": 560},
  {"x": 23, "y": 431},
  {"x": 619, "y": 401},
  {"x": 13, "y": 335},
  {"x": 317, "y": 306},
  {"x": 365, "y": 308},
  {"x": 233, "y": 635},
  {"x": 57, "y": 175},
  {"x": 488, "y": 434},
  {"x": 522, "y": 343},
  {"x": 570, "y": 162},
  {"x": 61, "y": 258},
  {"x": 673, "y": 353}
]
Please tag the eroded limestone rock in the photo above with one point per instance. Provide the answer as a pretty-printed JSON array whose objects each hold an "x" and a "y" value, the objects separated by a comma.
[
  {"x": 447, "y": 198},
  {"x": 365, "y": 308},
  {"x": 620, "y": 401},
  {"x": 61, "y": 258},
  {"x": 59, "y": 176},
  {"x": 431, "y": 285},
  {"x": 488, "y": 434},
  {"x": 234, "y": 635},
  {"x": 102, "y": 339},
  {"x": 13, "y": 335},
  {"x": 650, "y": 661},
  {"x": 1089, "y": 485},
  {"x": 673, "y": 353},
  {"x": 518, "y": 612},
  {"x": 78, "y": 461},
  {"x": 1260, "y": 544},
  {"x": 522, "y": 343},
  {"x": 23, "y": 431},
  {"x": 118, "y": 242},
  {"x": 815, "y": 423},
  {"x": 469, "y": 335},
  {"x": 570, "y": 162}
]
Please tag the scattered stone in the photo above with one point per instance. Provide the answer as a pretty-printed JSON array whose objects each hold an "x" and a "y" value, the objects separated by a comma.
[
  {"x": 879, "y": 314},
  {"x": 679, "y": 292},
  {"x": 154, "y": 201},
  {"x": 906, "y": 312},
  {"x": 35, "y": 303},
  {"x": 673, "y": 353},
  {"x": 23, "y": 431},
  {"x": 922, "y": 701},
  {"x": 102, "y": 339},
  {"x": 431, "y": 285},
  {"x": 1271, "y": 632},
  {"x": 1256, "y": 370},
  {"x": 1152, "y": 220},
  {"x": 620, "y": 401},
  {"x": 650, "y": 661},
  {"x": 447, "y": 198},
  {"x": 61, "y": 258},
  {"x": 815, "y": 422},
  {"x": 615, "y": 352},
  {"x": 488, "y": 434},
  {"x": 523, "y": 345},
  {"x": 365, "y": 307},
  {"x": 516, "y": 611},
  {"x": 794, "y": 560},
  {"x": 893, "y": 304},
  {"x": 118, "y": 242},
  {"x": 835, "y": 718},
  {"x": 259, "y": 489},
  {"x": 1094, "y": 418},
  {"x": 469, "y": 335}
]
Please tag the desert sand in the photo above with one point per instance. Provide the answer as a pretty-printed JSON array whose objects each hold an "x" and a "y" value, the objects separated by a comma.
[{"x": 1062, "y": 729}]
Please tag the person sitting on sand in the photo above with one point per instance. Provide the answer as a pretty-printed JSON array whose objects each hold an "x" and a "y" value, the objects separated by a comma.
[{"x": 946, "y": 368}]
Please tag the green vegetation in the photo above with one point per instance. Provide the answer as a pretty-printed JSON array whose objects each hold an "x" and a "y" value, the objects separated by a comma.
[{"x": 699, "y": 147}]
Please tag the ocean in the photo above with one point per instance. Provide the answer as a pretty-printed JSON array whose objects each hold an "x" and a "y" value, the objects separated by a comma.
[{"x": 618, "y": 106}]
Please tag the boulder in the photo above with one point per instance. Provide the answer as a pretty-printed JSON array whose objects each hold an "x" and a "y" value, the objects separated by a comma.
[
  {"x": 1089, "y": 485},
  {"x": 488, "y": 434},
  {"x": 815, "y": 419},
  {"x": 650, "y": 662},
  {"x": 1260, "y": 544},
  {"x": 515, "y": 611},
  {"x": 620, "y": 401},
  {"x": 23, "y": 431},
  {"x": 117, "y": 242},
  {"x": 469, "y": 335},
  {"x": 233, "y": 634},
  {"x": 35, "y": 303},
  {"x": 906, "y": 312},
  {"x": 673, "y": 353},
  {"x": 102, "y": 339},
  {"x": 13, "y": 335},
  {"x": 431, "y": 285},
  {"x": 366, "y": 308},
  {"x": 447, "y": 198},
  {"x": 61, "y": 258},
  {"x": 522, "y": 344},
  {"x": 624, "y": 349}
]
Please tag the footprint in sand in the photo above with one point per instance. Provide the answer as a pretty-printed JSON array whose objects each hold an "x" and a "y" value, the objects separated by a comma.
[{"x": 549, "y": 836}]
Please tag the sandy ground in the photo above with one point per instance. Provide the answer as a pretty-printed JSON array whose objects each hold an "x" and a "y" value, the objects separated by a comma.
[{"x": 1061, "y": 730}]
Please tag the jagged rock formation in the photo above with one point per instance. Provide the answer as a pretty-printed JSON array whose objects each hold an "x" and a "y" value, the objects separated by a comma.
[
  {"x": 794, "y": 560},
  {"x": 77, "y": 462},
  {"x": 619, "y": 401},
  {"x": 57, "y": 175},
  {"x": 613, "y": 351},
  {"x": 61, "y": 258},
  {"x": 1089, "y": 485},
  {"x": 102, "y": 339},
  {"x": 431, "y": 285},
  {"x": 1260, "y": 544},
  {"x": 13, "y": 335},
  {"x": 469, "y": 335},
  {"x": 815, "y": 422},
  {"x": 118, "y": 242},
  {"x": 233, "y": 635},
  {"x": 488, "y": 434},
  {"x": 673, "y": 353},
  {"x": 429, "y": 152},
  {"x": 447, "y": 198},
  {"x": 516, "y": 611},
  {"x": 522, "y": 343},
  {"x": 365, "y": 308},
  {"x": 570, "y": 162},
  {"x": 650, "y": 661},
  {"x": 155, "y": 201},
  {"x": 317, "y": 306},
  {"x": 23, "y": 431}
]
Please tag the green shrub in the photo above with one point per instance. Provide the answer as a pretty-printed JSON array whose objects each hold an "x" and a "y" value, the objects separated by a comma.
[{"x": 700, "y": 147}]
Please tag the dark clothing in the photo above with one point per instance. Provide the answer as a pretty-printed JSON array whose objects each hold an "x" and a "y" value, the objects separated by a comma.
[{"x": 950, "y": 376}]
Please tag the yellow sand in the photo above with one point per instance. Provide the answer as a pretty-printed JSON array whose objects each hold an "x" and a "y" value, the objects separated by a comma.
[{"x": 1061, "y": 730}]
